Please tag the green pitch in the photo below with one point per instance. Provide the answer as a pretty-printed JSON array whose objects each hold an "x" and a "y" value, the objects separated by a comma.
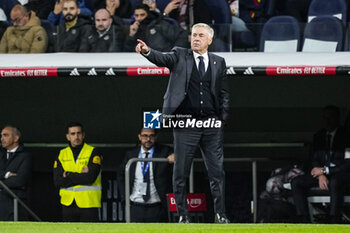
[{"x": 45, "y": 227}]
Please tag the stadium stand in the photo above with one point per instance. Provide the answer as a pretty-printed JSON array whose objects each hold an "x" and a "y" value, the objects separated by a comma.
[
  {"x": 280, "y": 34},
  {"x": 323, "y": 34}
]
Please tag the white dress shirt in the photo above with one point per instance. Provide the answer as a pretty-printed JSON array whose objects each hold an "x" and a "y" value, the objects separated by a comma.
[
  {"x": 137, "y": 196},
  {"x": 205, "y": 59}
]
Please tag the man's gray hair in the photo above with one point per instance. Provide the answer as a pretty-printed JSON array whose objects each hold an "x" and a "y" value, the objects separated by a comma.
[
  {"x": 206, "y": 26},
  {"x": 15, "y": 131}
]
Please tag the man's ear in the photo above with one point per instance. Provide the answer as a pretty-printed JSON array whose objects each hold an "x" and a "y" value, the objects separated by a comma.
[{"x": 78, "y": 11}]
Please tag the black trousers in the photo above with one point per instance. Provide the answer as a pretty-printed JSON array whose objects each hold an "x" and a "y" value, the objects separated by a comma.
[
  {"x": 301, "y": 184},
  {"x": 147, "y": 213},
  {"x": 186, "y": 142},
  {"x": 6, "y": 208},
  {"x": 73, "y": 213}
]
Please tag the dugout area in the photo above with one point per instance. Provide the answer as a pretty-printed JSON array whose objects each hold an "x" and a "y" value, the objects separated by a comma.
[{"x": 274, "y": 110}]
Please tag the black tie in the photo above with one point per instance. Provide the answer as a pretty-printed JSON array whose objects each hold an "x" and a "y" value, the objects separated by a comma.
[
  {"x": 146, "y": 179},
  {"x": 201, "y": 67},
  {"x": 328, "y": 147},
  {"x": 9, "y": 155}
]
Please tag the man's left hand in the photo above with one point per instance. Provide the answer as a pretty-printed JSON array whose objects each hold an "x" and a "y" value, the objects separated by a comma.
[{"x": 316, "y": 171}]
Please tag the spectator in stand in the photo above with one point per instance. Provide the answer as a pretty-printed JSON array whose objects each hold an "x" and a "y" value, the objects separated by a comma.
[
  {"x": 72, "y": 35},
  {"x": 119, "y": 8},
  {"x": 105, "y": 37},
  {"x": 56, "y": 17},
  {"x": 154, "y": 30},
  {"x": 26, "y": 35},
  {"x": 330, "y": 167},
  {"x": 42, "y": 8}
]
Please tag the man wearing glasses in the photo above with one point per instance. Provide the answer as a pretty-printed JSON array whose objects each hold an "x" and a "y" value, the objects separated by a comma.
[
  {"x": 149, "y": 182},
  {"x": 26, "y": 35}
]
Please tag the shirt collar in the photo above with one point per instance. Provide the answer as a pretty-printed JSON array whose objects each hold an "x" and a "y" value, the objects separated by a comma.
[
  {"x": 143, "y": 151},
  {"x": 13, "y": 150},
  {"x": 333, "y": 132},
  {"x": 204, "y": 55}
]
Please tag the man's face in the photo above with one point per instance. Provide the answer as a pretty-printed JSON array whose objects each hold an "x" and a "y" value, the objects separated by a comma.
[
  {"x": 200, "y": 40},
  {"x": 75, "y": 136},
  {"x": 70, "y": 11},
  {"x": 140, "y": 15},
  {"x": 8, "y": 139},
  {"x": 102, "y": 20},
  {"x": 18, "y": 19},
  {"x": 147, "y": 138}
]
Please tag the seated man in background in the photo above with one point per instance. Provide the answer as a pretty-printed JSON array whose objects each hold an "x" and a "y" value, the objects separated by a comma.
[
  {"x": 56, "y": 17},
  {"x": 155, "y": 31},
  {"x": 105, "y": 37},
  {"x": 73, "y": 34},
  {"x": 15, "y": 171},
  {"x": 26, "y": 35},
  {"x": 77, "y": 172},
  {"x": 330, "y": 167},
  {"x": 149, "y": 182}
]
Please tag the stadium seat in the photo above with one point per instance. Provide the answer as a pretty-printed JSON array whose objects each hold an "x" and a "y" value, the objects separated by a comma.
[
  {"x": 280, "y": 34},
  {"x": 220, "y": 11},
  {"x": 337, "y": 8},
  {"x": 323, "y": 34}
]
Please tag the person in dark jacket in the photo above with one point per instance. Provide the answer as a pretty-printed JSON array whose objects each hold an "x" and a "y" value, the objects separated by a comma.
[
  {"x": 155, "y": 31},
  {"x": 330, "y": 167},
  {"x": 149, "y": 181},
  {"x": 106, "y": 37},
  {"x": 15, "y": 171},
  {"x": 56, "y": 17},
  {"x": 72, "y": 35}
]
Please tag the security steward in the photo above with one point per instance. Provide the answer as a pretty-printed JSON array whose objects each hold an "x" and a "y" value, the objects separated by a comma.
[{"x": 77, "y": 173}]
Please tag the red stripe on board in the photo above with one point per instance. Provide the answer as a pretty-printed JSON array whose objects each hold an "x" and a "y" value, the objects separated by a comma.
[
  {"x": 28, "y": 72},
  {"x": 147, "y": 71},
  {"x": 301, "y": 70}
]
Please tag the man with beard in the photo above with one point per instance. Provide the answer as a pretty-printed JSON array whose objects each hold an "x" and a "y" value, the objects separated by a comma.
[
  {"x": 72, "y": 35},
  {"x": 77, "y": 172},
  {"x": 149, "y": 182},
  {"x": 26, "y": 35},
  {"x": 106, "y": 37},
  {"x": 155, "y": 31}
]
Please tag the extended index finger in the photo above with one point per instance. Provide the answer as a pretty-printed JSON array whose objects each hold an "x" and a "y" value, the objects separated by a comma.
[{"x": 141, "y": 42}]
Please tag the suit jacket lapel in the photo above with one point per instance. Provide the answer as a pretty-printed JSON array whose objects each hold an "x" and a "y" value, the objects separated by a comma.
[
  {"x": 213, "y": 67},
  {"x": 154, "y": 165},
  {"x": 189, "y": 66}
]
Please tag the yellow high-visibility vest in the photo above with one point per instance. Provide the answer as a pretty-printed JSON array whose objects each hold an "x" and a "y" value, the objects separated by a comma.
[{"x": 85, "y": 196}]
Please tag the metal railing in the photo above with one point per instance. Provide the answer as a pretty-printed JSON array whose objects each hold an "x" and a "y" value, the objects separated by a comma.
[
  {"x": 191, "y": 179},
  {"x": 17, "y": 200}
]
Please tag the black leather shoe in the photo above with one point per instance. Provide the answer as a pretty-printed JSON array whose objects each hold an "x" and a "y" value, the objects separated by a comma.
[
  {"x": 184, "y": 219},
  {"x": 221, "y": 218}
]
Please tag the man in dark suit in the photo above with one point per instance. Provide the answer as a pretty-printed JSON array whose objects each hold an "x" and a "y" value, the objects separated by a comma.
[
  {"x": 15, "y": 171},
  {"x": 330, "y": 166},
  {"x": 197, "y": 88},
  {"x": 149, "y": 182}
]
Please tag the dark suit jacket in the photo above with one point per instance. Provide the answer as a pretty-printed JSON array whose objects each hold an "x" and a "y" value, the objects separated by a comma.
[
  {"x": 162, "y": 172},
  {"x": 21, "y": 164},
  {"x": 340, "y": 142},
  {"x": 180, "y": 62}
]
